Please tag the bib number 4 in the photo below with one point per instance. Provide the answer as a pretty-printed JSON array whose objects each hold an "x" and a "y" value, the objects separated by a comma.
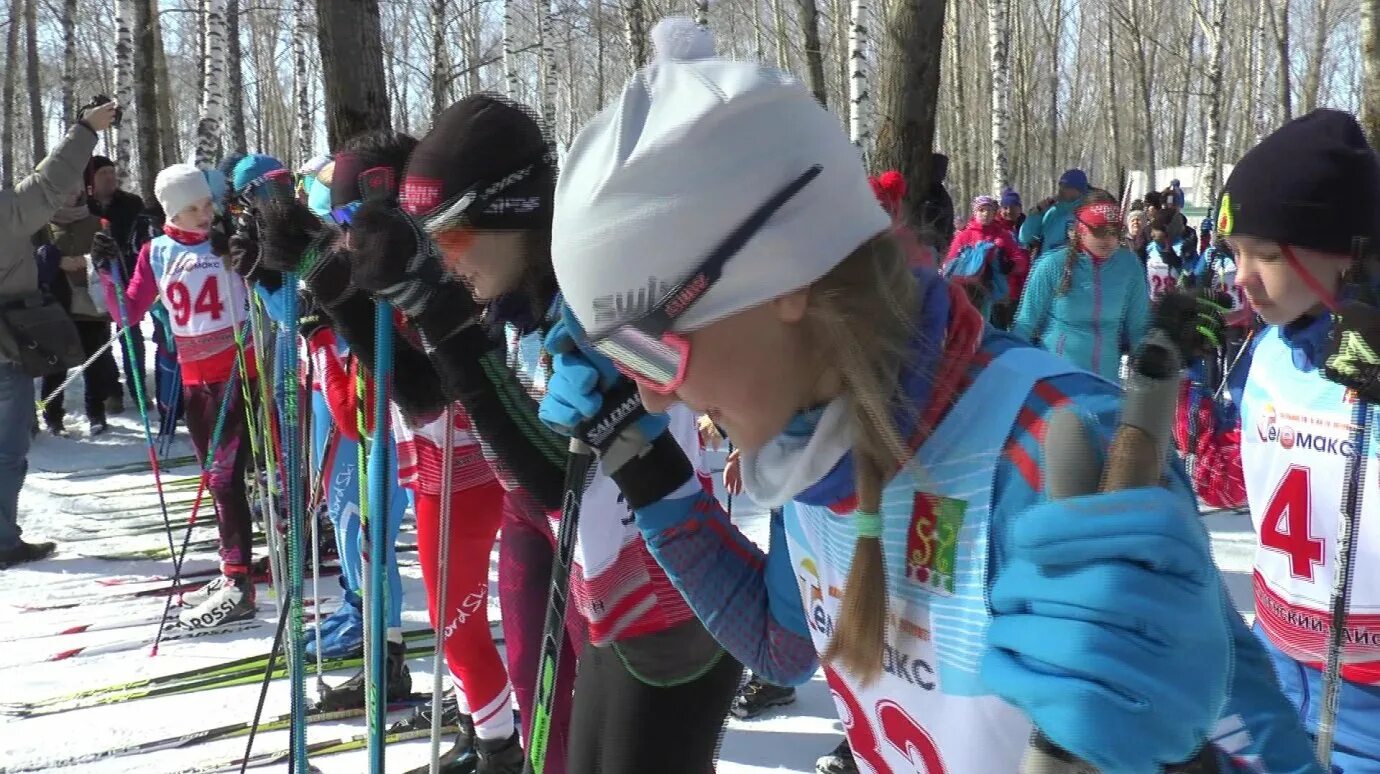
[
  {"x": 1286, "y": 527},
  {"x": 207, "y": 301}
]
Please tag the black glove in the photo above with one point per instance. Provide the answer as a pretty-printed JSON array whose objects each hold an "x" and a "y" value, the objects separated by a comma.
[
  {"x": 311, "y": 318},
  {"x": 395, "y": 261},
  {"x": 329, "y": 279},
  {"x": 220, "y": 242},
  {"x": 104, "y": 251},
  {"x": 287, "y": 232},
  {"x": 1195, "y": 319},
  {"x": 1350, "y": 356}
]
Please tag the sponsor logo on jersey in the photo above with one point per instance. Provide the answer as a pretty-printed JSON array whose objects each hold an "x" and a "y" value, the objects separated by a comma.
[
  {"x": 1305, "y": 431},
  {"x": 932, "y": 541}
]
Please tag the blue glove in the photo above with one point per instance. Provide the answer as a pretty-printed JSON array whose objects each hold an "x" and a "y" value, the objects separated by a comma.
[
  {"x": 580, "y": 381},
  {"x": 1110, "y": 629}
]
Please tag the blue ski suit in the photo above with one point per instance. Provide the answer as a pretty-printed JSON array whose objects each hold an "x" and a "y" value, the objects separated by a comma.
[
  {"x": 1104, "y": 312},
  {"x": 1052, "y": 229}
]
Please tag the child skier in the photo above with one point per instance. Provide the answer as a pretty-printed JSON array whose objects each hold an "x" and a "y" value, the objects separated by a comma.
[
  {"x": 1290, "y": 212},
  {"x": 653, "y": 687},
  {"x": 1088, "y": 302},
  {"x": 208, "y": 310},
  {"x": 984, "y": 258},
  {"x": 955, "y": 608}
]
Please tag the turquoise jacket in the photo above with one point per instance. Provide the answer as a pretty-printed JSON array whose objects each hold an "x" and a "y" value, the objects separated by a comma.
[
  {"x": 1104, "y": 313},
  {"x": 1052, "y": 229}
]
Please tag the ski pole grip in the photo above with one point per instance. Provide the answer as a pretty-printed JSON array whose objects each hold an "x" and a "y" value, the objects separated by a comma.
[{"x": 1135, "y": 458}]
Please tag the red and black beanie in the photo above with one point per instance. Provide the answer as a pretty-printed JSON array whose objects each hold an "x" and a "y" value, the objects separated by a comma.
[
  {"x": 1313, "y": 183},
  {"x": 485, "y": 164}
]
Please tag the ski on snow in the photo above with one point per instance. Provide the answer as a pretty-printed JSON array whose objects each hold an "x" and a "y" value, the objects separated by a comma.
[
  {"x": 227, "y": 731},
  {"x": 314, "y": 750},
  {"x": 238, "y": 672}
]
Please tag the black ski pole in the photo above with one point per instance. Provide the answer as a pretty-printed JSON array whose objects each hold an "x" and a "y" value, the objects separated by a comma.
[
  {"x": 268, "y": 677},
  {"x": 577, "y": 469}
]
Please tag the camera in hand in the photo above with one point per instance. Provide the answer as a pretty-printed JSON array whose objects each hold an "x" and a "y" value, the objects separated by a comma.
[{"x": 97, "y": 101}]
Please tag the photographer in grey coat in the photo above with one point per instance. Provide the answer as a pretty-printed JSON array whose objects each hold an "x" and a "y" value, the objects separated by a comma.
[{"x": 24, "y": 329}]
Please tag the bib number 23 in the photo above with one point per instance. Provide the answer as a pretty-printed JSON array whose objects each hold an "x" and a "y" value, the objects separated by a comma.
[
  {"x": 894, "y": 727},
  {"x": 207, "y": 301}
]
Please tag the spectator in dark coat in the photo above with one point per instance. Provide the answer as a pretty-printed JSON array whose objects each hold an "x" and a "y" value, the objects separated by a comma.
[
  {"x": 121, "y": 208},
  {"x": 937, "y": 208}
]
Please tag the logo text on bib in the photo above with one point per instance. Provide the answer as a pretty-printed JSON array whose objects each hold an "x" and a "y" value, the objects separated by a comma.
[{"x": 932, "y": 541}]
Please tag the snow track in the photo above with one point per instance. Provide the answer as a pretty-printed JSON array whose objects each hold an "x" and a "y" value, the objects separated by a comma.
[{"x": 71, "y": 493}]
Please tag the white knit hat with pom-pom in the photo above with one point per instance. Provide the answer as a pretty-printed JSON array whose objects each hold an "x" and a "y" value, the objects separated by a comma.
[{"x": 690, "y": 149}]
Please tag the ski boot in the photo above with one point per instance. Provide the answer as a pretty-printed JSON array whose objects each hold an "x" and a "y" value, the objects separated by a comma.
[
  {"x": 500, "y": 756},
  {"x": 840, "y": 761},
  {"x": 420, "y": 719},
  {"x": 198, "y": 597},
  {"x": 233, "y": 600},
  {"x": 55, "y": 426},
  {"x": 350, "y": 694},
  {"x": 758, "y": 696},
  {"x": 26, "y": 552},
  {"x": 462, "y": 757},
  {"x": 342, "y": 633},
  {"x": 97, "y": 427}
]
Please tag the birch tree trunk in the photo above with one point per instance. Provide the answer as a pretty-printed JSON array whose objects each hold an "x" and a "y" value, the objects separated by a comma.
[
  {"x": 1312, "y": 76},
  {"x": 39, "y": 131},
  {"x": 1143, "y": 81},
  {"x": 438, "y": 58},
  {"x": 510, "y": 80},
  {"x": 598, "y": 54},
  {"x": 69, "y": 61},
  {"x": 168, "y": 133},
  {"x": 1113, "y": 120},
  {"x": 201, "y": 47},
  {"x": 860, "y": 101},
  {"x": 908, "y": 93},
  {"x": 7, "y": 95},
  {"x": 145, "y": 114},
  {"x": 350, "y": 40},
  {"x": 1212, "y": 156},
  {"x": 1280, "y": 26},
  {"x": 547, "y": 63},
  {"x": 702, "y": 14},
  {"x": 301, "y": 96},
  {"x": 1178, "y": 104},
  {"x": 814, "y": 53},
  {"x": 213, "y": 98},
  {"x": 124, "y": 86},
  {"x": 636, "y": 21},
  {"x": 999, "y": 42},
  {"x": 778, "y": 20},
  {"x": 234, "y": 64},
  {"x": 1056, "y": 35},
  {"x": 1370, "y": 68}
]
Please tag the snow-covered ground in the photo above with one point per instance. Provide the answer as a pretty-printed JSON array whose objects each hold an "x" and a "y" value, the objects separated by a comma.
[{"x": 68, "y": 499}]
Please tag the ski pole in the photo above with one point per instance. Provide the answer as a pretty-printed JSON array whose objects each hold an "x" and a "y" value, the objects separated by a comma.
[
  {"x": 291, "y": 386},
  {"x": 1347, "y": 527},
  {"x": 730, "y": 491},
  {"x": 442, "y": 562},
  {"x": 377, "y": 531},
  {"x": 1341, "y": 585},
  {"x": 268, "y": 677},
  {"x": 81, "y": 369},
  {"x": 1231, "y": 369},
  {"x": 1135, "y": 458},
  {"x": 577, "y": 469}
]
